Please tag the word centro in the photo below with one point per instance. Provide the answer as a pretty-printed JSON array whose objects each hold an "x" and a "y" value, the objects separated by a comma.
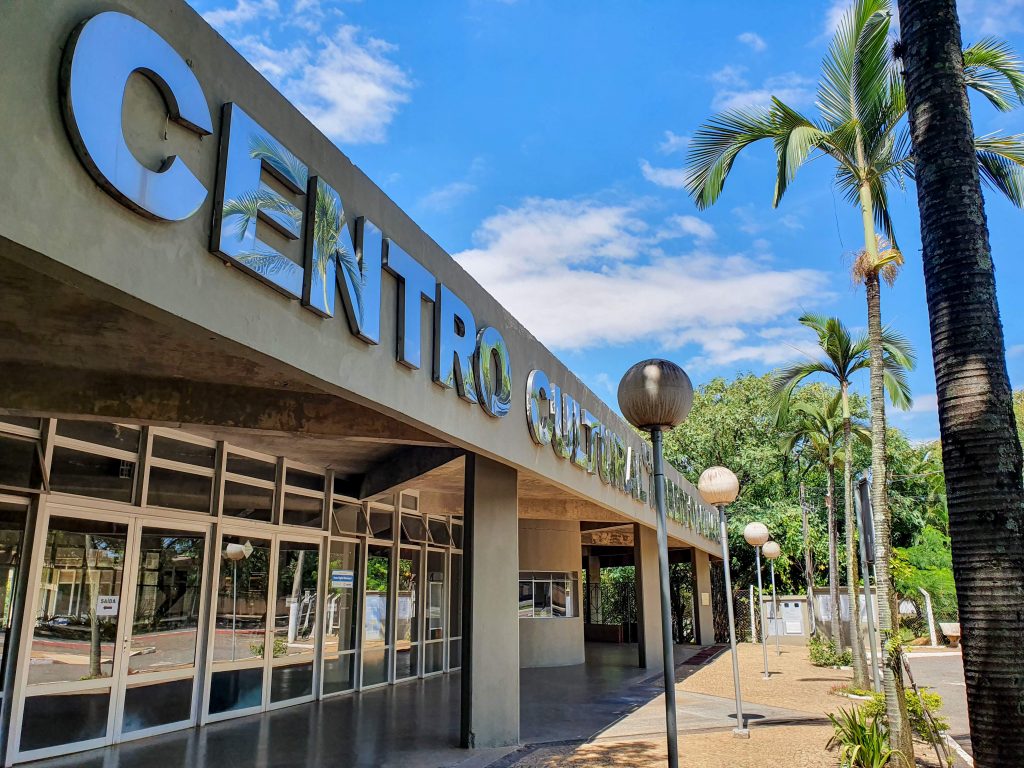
[
  {"x": 576, "y": 435},
  {"x": 273, "y": 217}
]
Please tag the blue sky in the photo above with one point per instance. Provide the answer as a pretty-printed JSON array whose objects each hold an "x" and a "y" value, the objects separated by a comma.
[{"x": 541, "y": 142}]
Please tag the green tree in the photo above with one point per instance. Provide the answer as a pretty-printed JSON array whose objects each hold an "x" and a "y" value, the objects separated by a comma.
[
  {"x": 1018, "y": 413},
  {"x": 842, "y": 357},
  {"x": 815, "y": 433}
]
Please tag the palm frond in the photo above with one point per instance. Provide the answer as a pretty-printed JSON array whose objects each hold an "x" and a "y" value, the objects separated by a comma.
[
  {"x": 993, "y": 69},
  {"x": 1001, "y": 163},
  {"x": 795, "y": 137},
  {"x": 715, "y": 146},
  {"x": 281, "y": 162}
]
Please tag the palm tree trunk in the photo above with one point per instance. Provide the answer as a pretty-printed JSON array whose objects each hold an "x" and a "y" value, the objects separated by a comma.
[
  {"x": 980, "y": 451},
  {"x": 860, "y": 667},
  {"x": 900, "y": 736},
  {"x": 833, "y": 558},
  {"x": 808, "y": 561}
]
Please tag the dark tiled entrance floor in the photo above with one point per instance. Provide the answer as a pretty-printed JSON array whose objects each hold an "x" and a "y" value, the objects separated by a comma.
[{"x": 414, "y": 725}]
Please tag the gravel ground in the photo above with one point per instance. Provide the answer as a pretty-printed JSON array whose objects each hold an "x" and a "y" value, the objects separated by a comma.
[{"x": 794, "y": 684}]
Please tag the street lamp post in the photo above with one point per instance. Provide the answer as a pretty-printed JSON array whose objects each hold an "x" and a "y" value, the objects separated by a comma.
[
  {"x": 654, "y": 396},
  {"x": 772, "y": 550},
  {"x": 718, "y": 486},
  {"x": 756, "y": 535}
]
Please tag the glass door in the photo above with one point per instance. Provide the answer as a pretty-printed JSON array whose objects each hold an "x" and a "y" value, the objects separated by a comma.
[
  {"x": 376, "y": 598},
  {"x": 74, "y": 654},
  {"x": 295, "y": 621},
  {"x": 160, "y": 662},
  {"x": 434, "y": 620},
  {"x": 13, "y": 511},
  {"x": 407, "y": 620},
  {"x": 340, "y": 621}
]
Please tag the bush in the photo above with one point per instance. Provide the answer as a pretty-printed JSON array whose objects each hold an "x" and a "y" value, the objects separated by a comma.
[
  {"x": 915, "y": 711},
  {"x": 825, "y": 654},
  {"x": 863, "y": 742}
]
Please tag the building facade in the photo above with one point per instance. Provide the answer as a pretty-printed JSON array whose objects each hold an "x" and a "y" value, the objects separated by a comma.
[{"x": 262, "y": 441}]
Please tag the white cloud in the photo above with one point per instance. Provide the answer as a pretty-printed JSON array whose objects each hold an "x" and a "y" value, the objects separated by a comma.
[
  {"x": 1016, "y": 350},
  {"x": 581, "y": 274},
  {"x": 730, "y": 75},
  {"x": 927, "y": 403},
  {"x": 673, "y": 143},
  {"x": 792, "y": 88},
  {"x": 753, "y": 40},
  {"x": 673, "y": 178},
  {"x": 834, "y": 17},
  {"x": 992, "y": 17},
  {"x": 243, "y": 12},
  {"x": 680, "y": 225},
  {"x": 342, "y": 79},
  {"x": 447, "y": 196}
]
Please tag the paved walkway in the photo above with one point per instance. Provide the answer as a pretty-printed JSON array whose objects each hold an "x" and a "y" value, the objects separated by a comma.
[{"x": 944, "y": 672}]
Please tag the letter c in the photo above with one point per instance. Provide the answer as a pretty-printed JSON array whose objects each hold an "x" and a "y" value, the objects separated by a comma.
[{"x": 101, "y": 55}]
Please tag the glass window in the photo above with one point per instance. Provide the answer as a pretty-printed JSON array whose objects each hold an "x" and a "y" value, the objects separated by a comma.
[
  {"x": 307, "y": 511},
  {"x": 12, "y": 528},
  {"x": 20, "y": 421},
  {"x": 433, "y": 658},
  {"x": 456, "y": 534},
  {"x": 435, "y": 595},
  {"x": 455, "y": 601},
  {"x": 381, "y": 522},
  {"x": 413, "y": 529},
  {"x": 291, "y": 682},
  {"x": 310, "y": 481},
  {"x": 88, "y": 474},
  {"x": 234, "y": 689},
  {"x": 19, "y": 463},
  {"x": 410, "y": 502},
  {"x": 248, "y": 501},
  {"x": 439, "y": 532},
  {"x": 546, "y": 595},
  {"x": 339, "y": 673},
  {"x": 348, "y": 518},
  {"x": 101, "y": 433},
  {"x": 407, "y": 618},
  {"x": 51, "y": 720},
  {"x": 241, "y": 599},
  {"x": 375, "y": 614},
  {"x": 79, "y": 601},
  {"x": 154, "y": 704},
  {"x": 243, "y": 465},
  {"x": 179, "y": 490},
  {"x": 295, "y": 615},
  {"x": 165, "y": 624},
  {"x": 340, "y": 632},
  {"x": 184, "y": 452}
]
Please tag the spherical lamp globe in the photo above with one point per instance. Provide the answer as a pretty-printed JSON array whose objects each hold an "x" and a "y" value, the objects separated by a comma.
[
  {"x": 756, "y": 534},
  {"x": 718, "y": 486},
  {"x": 655, "y": 394},
  {"x": 772, "y": 550}
]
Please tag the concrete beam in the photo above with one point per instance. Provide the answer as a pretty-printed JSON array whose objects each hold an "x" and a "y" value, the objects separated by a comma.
[
  {"x": 74, "y": 393},
  {"x": 490, "y": 642},
  {"x": 614, "y": 537},
  {"x": 405, "y": 465},
  {"x": 565, "y": 508}
]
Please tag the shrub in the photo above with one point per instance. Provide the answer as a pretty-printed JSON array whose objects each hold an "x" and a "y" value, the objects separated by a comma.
[
  {"x": 863, "y": 742},
  {"x": 825, "y": 654},
  {"x": 915, "y": 711}
]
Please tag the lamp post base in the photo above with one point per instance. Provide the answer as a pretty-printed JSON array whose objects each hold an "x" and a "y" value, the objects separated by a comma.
[{"x": 741, "y": 733}]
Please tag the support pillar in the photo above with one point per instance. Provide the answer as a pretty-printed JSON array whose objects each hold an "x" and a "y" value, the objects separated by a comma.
[
  {"x": 648, "y": 597},
  {"x": 490, "y": 656},
  {"x": 705, "y": 618}
]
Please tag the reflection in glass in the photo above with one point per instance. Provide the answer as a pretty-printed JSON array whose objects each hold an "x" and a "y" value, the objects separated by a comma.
[
  {"x": 295, "y": 615},
  {"x": 234, "y": 689},
  {"x": 78, "y": 602},
  {"x": 12, "y": 528},
  {"x": 89, "y": 474},
  {"x": 62, "y": 718},
  {"x": 155, "y": 704},
  {"x": 455, "y": 601},
  {"x": 101, "y": 433},
  {"x": 525, "y": 599},
  {"x": 183, "y": 452},
  {"x": 381, "y": 522},
  {"x": 340, "y": 622},
  {"x": 248, "y": 501},
  {"x": 179, "y": 490},
  {"x": 407, "y": 618},
  {"x": 559, "y": 598},
  {"x": 241, "y": 599},
  {"x": 20, "y": 466},
  {"x": 435, "y": 595},
  {"x": 307, "y": 511},
  {"x": 291, "y": 682},
  {"x": 348, "y": 518},
  {"x": 165, "y": 624},
  {"x": 375, "y": 614}
]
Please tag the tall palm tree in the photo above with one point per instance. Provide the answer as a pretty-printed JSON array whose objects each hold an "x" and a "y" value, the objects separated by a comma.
[
  {"x": 815, "y": 432},
  {"x": 981, "y": 455},
  {"x": 861, "y": 127},
  {"x": 870, "y": 268},
  {"x": 842, "y": 357}
]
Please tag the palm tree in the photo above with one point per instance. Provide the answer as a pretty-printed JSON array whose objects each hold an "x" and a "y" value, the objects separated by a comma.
[
  {"x": 861, "y": 128},
  {"x": 815, "y": 433},
  {"x": 843, "y": 356},
  {"x": 981, "y": 455},
  {"x": 329, "y": 221}
]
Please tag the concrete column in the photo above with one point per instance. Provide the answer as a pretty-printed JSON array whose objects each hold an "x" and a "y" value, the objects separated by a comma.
[
  {"x": 490, "y": 657},
  {"x": 704, "y": 618},
  {"x": 594, "y": 588},
  {"x": 648, "y": 596}
]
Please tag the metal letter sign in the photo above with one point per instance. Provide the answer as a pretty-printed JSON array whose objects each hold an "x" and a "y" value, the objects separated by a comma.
[
  {"x": 101, "y": 55},
  {"x": 493, "y": 371},
  {"x": 243, "y": 198},
  {"x": 454, "y": 344}
]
